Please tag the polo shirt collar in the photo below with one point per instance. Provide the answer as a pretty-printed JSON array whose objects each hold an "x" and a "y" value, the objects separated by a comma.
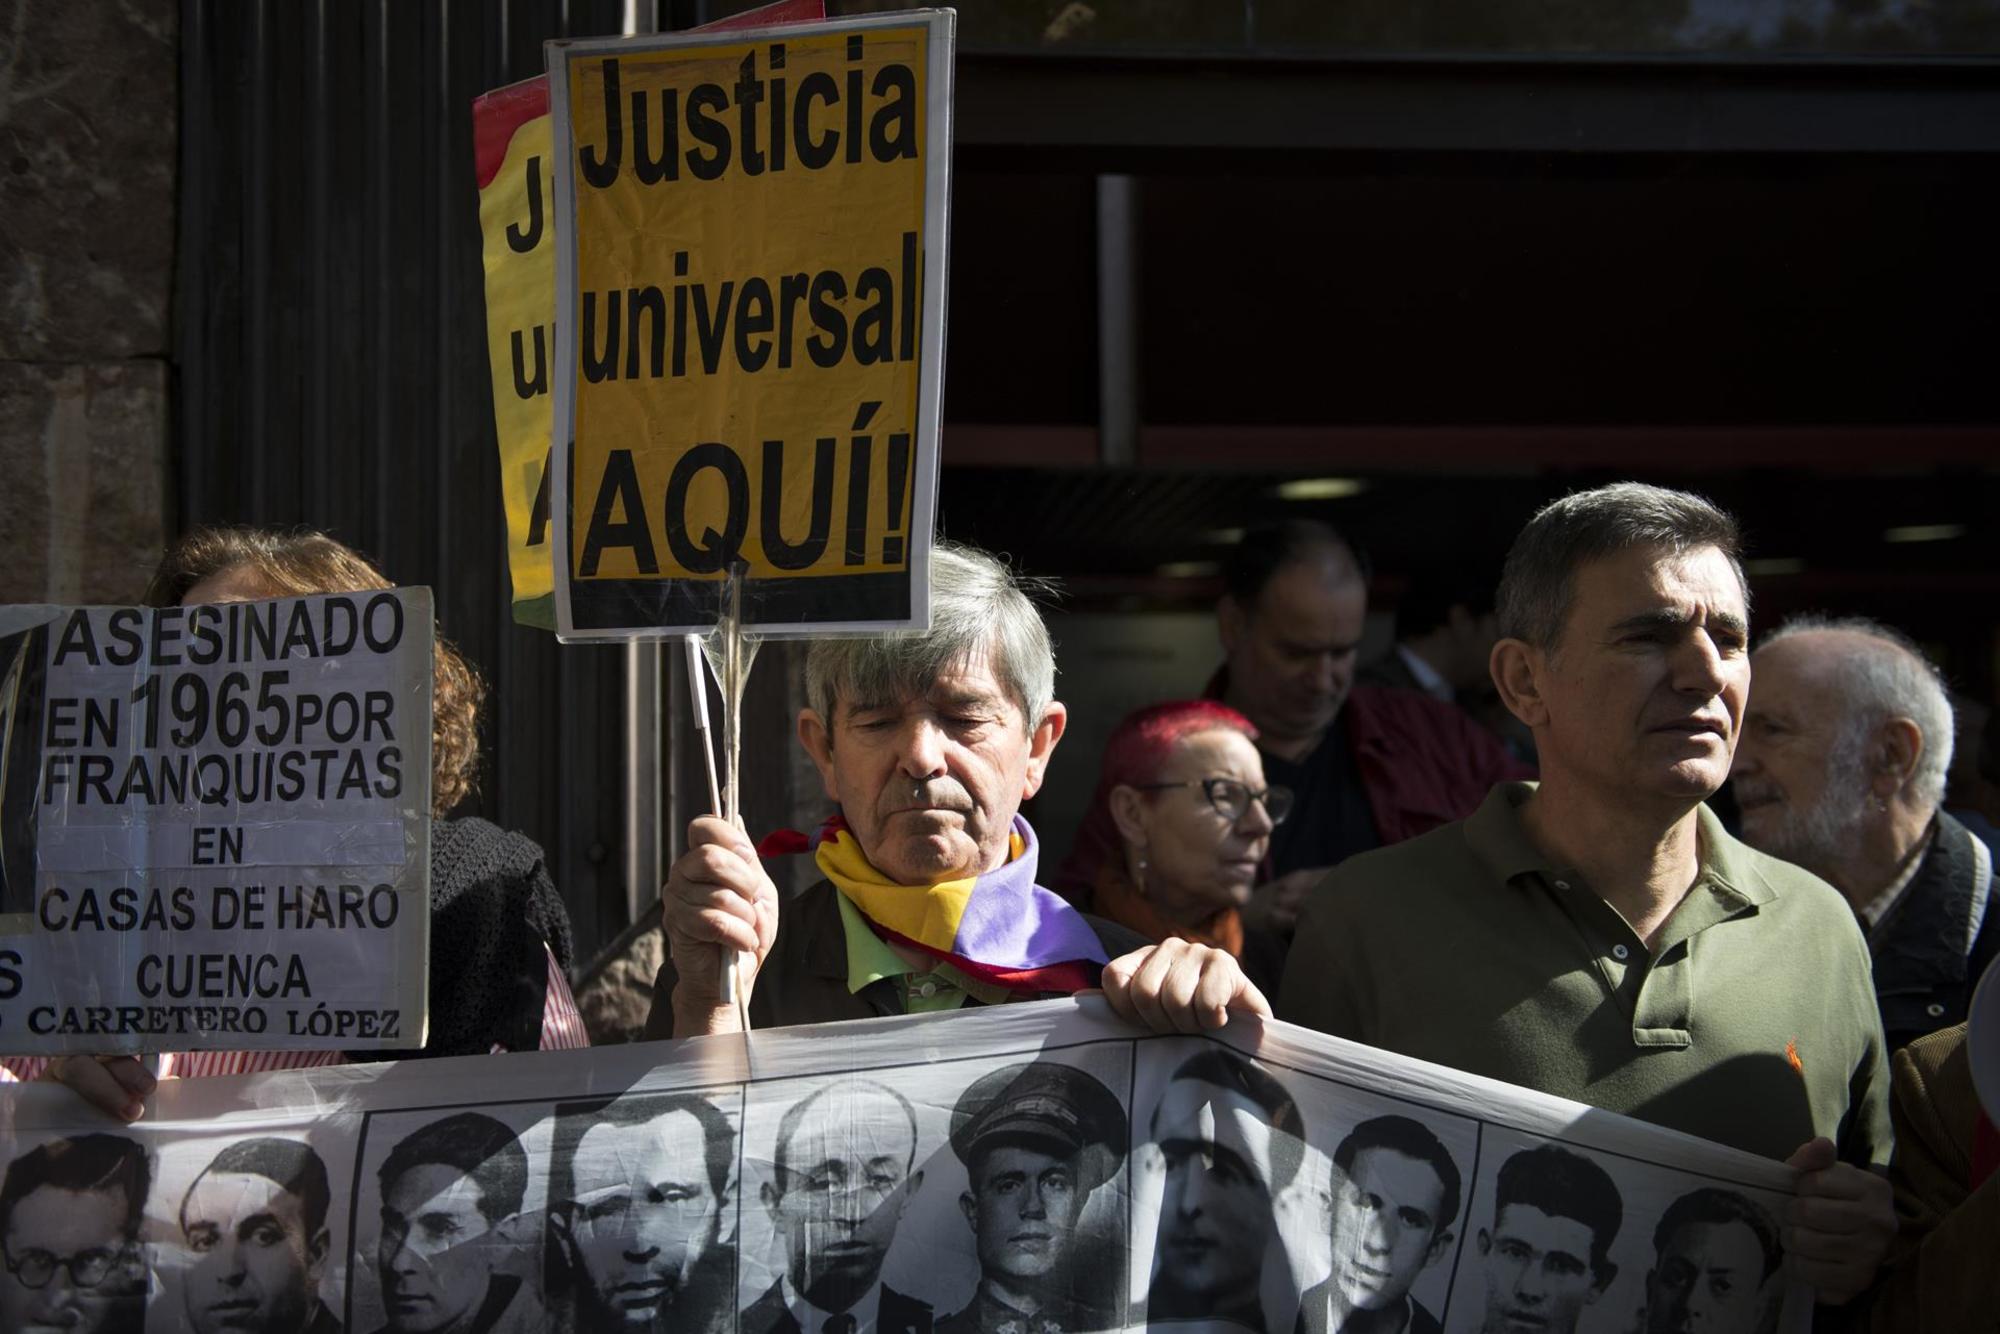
[
  {"x": 1729, "y": 872},
  {"x": 869, "y": 959}
]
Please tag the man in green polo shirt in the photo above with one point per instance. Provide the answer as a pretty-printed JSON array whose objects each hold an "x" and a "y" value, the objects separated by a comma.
[{"x": 1600, "y": 936}]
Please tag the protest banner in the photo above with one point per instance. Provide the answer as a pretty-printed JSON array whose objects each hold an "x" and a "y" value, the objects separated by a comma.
[
  {"x": 750, "y": 284},
  {"x": 512, "y": 167},
  {"x": 936, "y": 1171},
  {"x": 215, "y": 825}
]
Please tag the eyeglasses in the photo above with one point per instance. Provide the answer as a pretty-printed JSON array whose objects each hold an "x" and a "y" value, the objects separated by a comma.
[
  {"x": 86, "y": 1269},
  {"x": 1231, "y": 798}
]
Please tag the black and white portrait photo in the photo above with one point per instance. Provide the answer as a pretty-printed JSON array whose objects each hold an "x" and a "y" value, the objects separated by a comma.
[
  {"x": 1546, "y": 1255},
  {"x": 641, "y": 1213},
  {"x": 1037, "y": 1141},
  {"x": 1392, "y": 1199},
  {"x": 70, "y": 1213},
  {"x": 255, "y": 1224},
  {"x": 1229, "y": 1139},
  {"x": 844, "y": 1171},
  {"x": 1717, "y": 1266},
  {"x": 454, "y": 1242}
]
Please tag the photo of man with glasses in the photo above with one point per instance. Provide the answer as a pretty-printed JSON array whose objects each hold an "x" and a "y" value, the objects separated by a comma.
[
  {"x": 844, "y": 1172},
  {"x": 69, "y": 1227}
]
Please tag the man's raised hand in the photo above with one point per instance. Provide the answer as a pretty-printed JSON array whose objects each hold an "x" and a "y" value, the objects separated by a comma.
[{"x": 716, "y": 898}]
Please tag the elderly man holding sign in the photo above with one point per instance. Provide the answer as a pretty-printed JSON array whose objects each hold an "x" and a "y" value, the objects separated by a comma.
[{"x": 928, "y": 743}]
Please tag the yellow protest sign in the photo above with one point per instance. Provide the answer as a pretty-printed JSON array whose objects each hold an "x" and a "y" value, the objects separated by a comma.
[
  {"x": 750, "y": 320},
  {"x": 511, "y": 145}
]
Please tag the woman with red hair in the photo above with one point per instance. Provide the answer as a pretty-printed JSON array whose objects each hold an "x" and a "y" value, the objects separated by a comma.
[{"x": 1177, "y": 832}]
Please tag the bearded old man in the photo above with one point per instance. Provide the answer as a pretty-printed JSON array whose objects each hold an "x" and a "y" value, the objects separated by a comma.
[{"x": 1841, "y": 769}]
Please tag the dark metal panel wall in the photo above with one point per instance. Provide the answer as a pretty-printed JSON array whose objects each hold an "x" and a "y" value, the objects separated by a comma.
[{"x": 331, "y": 355}]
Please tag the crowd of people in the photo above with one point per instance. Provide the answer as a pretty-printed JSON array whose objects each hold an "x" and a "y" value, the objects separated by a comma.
[{"x": 1494, "y": 851}]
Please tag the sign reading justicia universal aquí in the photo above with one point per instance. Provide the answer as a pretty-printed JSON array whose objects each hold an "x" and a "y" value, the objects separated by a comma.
[{"x": 749, "y": 328}]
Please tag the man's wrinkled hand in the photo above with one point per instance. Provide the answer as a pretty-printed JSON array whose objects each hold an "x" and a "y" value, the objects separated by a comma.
[
  {"x": 1839, "y": 1225},
  {"x": 115, "y": 1085},
  {"x": 1275, "y": 904},
  {"x": 1179, "y": 987},
  {"x": 717, "y": 898}
]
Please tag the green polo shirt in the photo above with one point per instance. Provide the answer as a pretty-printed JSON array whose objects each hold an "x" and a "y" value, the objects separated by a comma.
[
  {"x": 869, "y": 959},
  {"x": 1753, "y": 1024}
]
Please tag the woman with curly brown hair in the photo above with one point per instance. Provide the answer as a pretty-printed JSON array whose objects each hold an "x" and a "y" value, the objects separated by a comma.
[{"x": 500, "y": 941}]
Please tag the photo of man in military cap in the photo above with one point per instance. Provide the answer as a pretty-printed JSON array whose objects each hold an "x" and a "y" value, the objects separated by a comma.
[{"x": 1036, "y": 1140}]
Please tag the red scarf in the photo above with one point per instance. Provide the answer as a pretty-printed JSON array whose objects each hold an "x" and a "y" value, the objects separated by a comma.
[{"x": 1118, "y": 899}]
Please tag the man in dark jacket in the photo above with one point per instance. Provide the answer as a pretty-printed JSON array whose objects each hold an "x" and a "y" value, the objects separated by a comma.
[
  {"x": 451, "y": 1256},
  {"x": 1841, "y": 769},
  {"x": 928, "y": 744},
  {"x": 1037, "y": 1141},
  {"x": 845, "y": 1169},
  {"x": 1369, "y": 766}
]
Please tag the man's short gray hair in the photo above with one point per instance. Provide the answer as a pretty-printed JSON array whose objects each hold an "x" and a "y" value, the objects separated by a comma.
[
  {"x": 1539, "y": 578},
  {"x": 978, "y": 607},
  {"x": 1886, "y": 677}
]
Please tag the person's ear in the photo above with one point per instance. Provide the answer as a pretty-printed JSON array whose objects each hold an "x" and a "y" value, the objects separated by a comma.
[
  {"x": 1485, "y": 1242},
  {"x": 1435, "y": 1251},
  {"x": 513, "y": 1235},
  {"x": 1128, "y": 812},
  {"x": 968, "y": 1204},
  {"x": 1231, "y": 624},
  {"x": 912, "y": 1183},
  {"x": 772, "y": 1198},
  {"x": 1604, "y": 1276},
  {"x": 1897, "y": 750},
  {"x": 817, "y": 737},
  {"x": 316, "y": 1251},
  {"x": 1519, "y": 669},
  {"x": 1041, "y": 745}
]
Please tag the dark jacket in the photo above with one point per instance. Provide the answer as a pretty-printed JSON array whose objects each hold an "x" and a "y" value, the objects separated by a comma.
[
  {"x": 495, "y": 918},
  {"x": 1423, "y": 762},
  {"x": 804, "y": 979},
  {"x": 1930, "y": 950},
  {"x": 987, "y": 1314},
  {"x": 1317, "y": 1304},
  {"x": 897, "y": 1314},
  {"x": 1940, "y": 1273}
]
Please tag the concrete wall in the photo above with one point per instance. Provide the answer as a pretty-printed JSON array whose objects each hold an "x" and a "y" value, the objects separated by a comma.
[{"x": 89, "y": 111}]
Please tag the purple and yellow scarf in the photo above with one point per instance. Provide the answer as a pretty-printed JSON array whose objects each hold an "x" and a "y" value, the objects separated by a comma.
[{"x": 1000, "y": 928}]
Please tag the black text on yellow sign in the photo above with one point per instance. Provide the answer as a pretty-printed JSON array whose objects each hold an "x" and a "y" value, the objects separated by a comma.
[{"x": 750, "y": 326}]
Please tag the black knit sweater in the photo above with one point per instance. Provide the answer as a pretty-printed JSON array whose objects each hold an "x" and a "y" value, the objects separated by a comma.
[{"x": 493, "y": 906}]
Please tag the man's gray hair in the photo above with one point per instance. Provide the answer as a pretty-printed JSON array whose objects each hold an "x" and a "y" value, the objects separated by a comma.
[
  {"x": 1539, "y": 578},
  {"x": 1885, "y": 677},
  {"x": 978, "y": 607}
]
